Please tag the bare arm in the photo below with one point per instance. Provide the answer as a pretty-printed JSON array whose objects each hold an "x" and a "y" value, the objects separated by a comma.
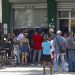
[
  {"x": 73, "y": 43},
  {"x": 28, "y": 44},
  {"x": 20, "y": 43}
]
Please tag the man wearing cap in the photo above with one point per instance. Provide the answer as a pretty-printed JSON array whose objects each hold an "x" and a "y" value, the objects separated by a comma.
[{"x": 59, "y": 43}]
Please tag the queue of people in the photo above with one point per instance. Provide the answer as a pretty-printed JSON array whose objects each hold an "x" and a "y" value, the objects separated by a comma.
[{"x": 47, "y": 47}]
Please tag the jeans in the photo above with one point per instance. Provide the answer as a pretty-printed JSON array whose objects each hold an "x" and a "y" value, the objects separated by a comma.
[
  {"x": 71, "y": 55},
  {"x": 39, "y": 55},
  {"x": 17, "y": 58},
  {"x": 58, "y": 63},
  {"x": 17, "y": 53}
]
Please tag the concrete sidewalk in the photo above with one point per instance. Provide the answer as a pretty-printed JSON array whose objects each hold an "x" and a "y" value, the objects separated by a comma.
[{"x": 27, "y": 71}]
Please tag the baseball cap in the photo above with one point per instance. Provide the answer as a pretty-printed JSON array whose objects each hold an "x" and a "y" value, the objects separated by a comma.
[{"x": 58, "y": 31}]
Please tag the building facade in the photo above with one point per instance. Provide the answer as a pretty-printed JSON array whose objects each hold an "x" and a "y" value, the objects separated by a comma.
[
  {"x": 59, "y": 14},
  {"x": 66, "y": 15}
]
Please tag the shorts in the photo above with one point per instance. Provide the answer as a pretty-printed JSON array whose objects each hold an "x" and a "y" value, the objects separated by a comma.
[{"x": 46, "y": 58}]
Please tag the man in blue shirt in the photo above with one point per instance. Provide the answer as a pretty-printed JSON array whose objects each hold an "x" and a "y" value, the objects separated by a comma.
[{"x": 59, "y": 43}]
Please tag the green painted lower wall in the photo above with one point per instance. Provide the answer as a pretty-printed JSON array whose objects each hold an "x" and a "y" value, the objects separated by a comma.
[
  {"x": 52, "y": 8},
  {"x": 5, "y": 12}
]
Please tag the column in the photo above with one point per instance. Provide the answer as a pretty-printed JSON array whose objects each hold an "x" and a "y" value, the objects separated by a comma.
[
  {"x": 5, "y": 13},
  {"x": 52, "y": 13}
]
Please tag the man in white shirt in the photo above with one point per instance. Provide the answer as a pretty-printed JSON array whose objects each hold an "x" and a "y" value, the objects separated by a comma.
[{"x": 20, "y": 36}]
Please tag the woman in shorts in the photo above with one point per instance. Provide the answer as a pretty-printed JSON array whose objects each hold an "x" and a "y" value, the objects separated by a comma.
[{"x": 46, "y": 57}]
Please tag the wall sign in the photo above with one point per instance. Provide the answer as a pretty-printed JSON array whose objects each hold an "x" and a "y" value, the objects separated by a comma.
[{"x": 5, "y": 28}]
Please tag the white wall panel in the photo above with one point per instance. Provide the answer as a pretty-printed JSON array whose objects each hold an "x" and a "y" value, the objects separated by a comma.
[{"x": 65, "y": 6}]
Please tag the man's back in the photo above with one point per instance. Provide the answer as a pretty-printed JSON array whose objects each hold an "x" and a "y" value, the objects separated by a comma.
[
  {"x": 37, "y": 38},
  {"x": 59, "y": 41}
]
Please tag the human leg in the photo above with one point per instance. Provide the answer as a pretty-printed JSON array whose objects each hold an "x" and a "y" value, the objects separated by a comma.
[
  {"x": 44, "y": 64},
  {"x": 26, "y": 54},
  {"x": 18, "y": 55},
  {"x": 23, "y": 58},
  {"x": 56, "y": 58},
  {"x": 34, "y": 55},
  {"x": 51, "y": 68},
  {"x": 18, "y": 58},
  {"x": 39, "y": 56},
  {"x": 63, "y": 62}
]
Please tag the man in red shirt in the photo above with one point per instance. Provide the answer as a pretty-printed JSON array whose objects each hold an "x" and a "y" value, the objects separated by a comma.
[{"x": 37, "y": 38}]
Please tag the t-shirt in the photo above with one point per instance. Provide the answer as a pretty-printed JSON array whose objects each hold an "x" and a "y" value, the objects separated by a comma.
[
  {"x": 20, "y": 36},
  {"x": 59, "y": 40},
  {"x": 46, "y": 47},
  {"x": 37, "y": 38},
  {"x": 70, "y": 43}
]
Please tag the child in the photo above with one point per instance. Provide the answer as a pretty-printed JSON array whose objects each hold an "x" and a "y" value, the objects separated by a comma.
[{"x": 46, "y": 57}]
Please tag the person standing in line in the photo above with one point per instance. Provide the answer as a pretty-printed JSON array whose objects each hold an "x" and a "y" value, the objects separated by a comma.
[
  {"x": 16, "y": 50},
  {"x": 65, "y": 35},
  {"x": 74, "y": 44},
  {"x": 53, "y": 35},
  {"x": 25, "y": 47},
  {"x": 60, "y": 46},
  {"x": 71, "y": 52},
  {"x": 30, "y": 37},
  {"x": 51, "y": 32},
  {"x": 46, "y": 56},
  {"x": 19, "y": 37},
  {"x": 52, "y": 48},
  {"x": 37, "y": 39},
  {"x": 70, "y": 46}
]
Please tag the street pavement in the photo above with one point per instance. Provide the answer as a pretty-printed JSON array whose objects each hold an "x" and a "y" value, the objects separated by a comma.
[{"x": 28, "y": 70}]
